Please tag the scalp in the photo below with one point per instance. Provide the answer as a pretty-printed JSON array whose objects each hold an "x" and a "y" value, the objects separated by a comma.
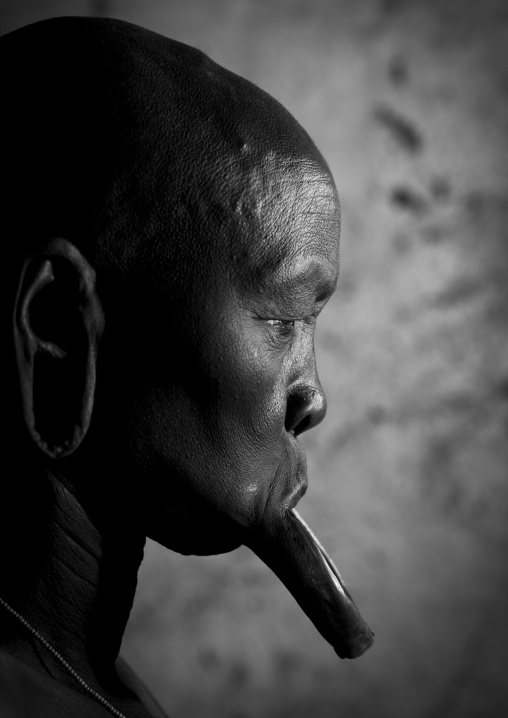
[
  {"x": 135, "y": 121},
  {"x": 141, "y": 151}
]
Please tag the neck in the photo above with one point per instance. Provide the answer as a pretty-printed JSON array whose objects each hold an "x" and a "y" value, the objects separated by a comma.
[{"x": 78, "y": 590}]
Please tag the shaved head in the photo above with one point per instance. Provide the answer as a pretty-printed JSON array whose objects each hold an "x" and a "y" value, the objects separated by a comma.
[
  {"x": 173, "y": 235},
  {"x": 140, "y": 146}
]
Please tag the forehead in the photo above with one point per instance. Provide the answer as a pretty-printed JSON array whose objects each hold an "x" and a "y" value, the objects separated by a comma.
[{"x": 290, "y": 224}]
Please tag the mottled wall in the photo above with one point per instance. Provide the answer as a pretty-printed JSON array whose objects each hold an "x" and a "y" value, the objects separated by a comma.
[{"x": 409, "y": 472}]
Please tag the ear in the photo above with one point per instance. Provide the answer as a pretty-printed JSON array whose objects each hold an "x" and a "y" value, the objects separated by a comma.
[{"x": 58, "y": 321}]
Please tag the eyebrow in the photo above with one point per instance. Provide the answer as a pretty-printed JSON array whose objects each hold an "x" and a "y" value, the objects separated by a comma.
[{"x": 313, "y": 277}]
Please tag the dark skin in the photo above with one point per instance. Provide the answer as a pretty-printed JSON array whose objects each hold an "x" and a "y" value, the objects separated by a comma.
[
  {"x": 274, "y": 360},
  {"x": 165, "y": 380}
]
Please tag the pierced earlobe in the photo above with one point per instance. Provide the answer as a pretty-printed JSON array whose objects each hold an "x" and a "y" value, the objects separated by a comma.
[{"x": 58, "y": 321}]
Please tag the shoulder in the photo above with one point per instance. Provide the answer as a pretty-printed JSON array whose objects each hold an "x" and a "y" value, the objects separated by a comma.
[
  {"x": 132, "y": 680},
  {"x": 27, "y": 693}
]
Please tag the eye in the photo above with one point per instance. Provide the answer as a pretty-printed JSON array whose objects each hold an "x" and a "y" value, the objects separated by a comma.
[{"x": 283, "y": 327}]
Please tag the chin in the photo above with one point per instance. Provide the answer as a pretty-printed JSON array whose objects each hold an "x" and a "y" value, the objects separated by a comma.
[{"x": 199, "y": 538}]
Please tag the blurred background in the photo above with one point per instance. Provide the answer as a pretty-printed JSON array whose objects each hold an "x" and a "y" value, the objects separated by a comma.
[{"x": 408, "y": 102}]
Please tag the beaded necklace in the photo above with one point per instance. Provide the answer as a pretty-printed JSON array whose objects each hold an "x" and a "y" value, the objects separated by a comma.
[{"x": 62, "y": 660}]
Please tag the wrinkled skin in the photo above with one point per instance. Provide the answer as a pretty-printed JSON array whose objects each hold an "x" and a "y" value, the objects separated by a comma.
[
  {"x": 182, "y": 240},
  {"x": 211, "y": 436}
]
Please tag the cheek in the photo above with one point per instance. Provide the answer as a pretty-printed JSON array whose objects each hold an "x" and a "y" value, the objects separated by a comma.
[
  {"x": 202, "y": 437},
  {"x": 250, "y": 379},
  {"x": 192, "y": 460}
]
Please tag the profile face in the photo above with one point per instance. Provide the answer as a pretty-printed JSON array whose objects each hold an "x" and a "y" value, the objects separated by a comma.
[
  {"x": 195, "y": 232},
  {"x": 208, "y": 430}
]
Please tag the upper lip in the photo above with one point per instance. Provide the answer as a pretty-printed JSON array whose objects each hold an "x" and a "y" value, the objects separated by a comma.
[
  {"x": 300, "y": 475},
  {"x": 285, "y": 492}
]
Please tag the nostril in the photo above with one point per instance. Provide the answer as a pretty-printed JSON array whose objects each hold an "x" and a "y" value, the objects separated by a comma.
[
  {"x": 306, "y": 407},
  {"x": 302, "y": 426}
]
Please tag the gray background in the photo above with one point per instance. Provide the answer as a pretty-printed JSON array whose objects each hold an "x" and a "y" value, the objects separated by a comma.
[{"x": 408, "y": 474}]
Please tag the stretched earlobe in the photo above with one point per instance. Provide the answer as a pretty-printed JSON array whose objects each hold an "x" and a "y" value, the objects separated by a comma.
[{"x": 58, "y": 321}]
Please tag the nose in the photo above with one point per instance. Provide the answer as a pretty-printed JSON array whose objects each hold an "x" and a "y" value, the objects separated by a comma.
[{"x": 306, "y": 408}]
